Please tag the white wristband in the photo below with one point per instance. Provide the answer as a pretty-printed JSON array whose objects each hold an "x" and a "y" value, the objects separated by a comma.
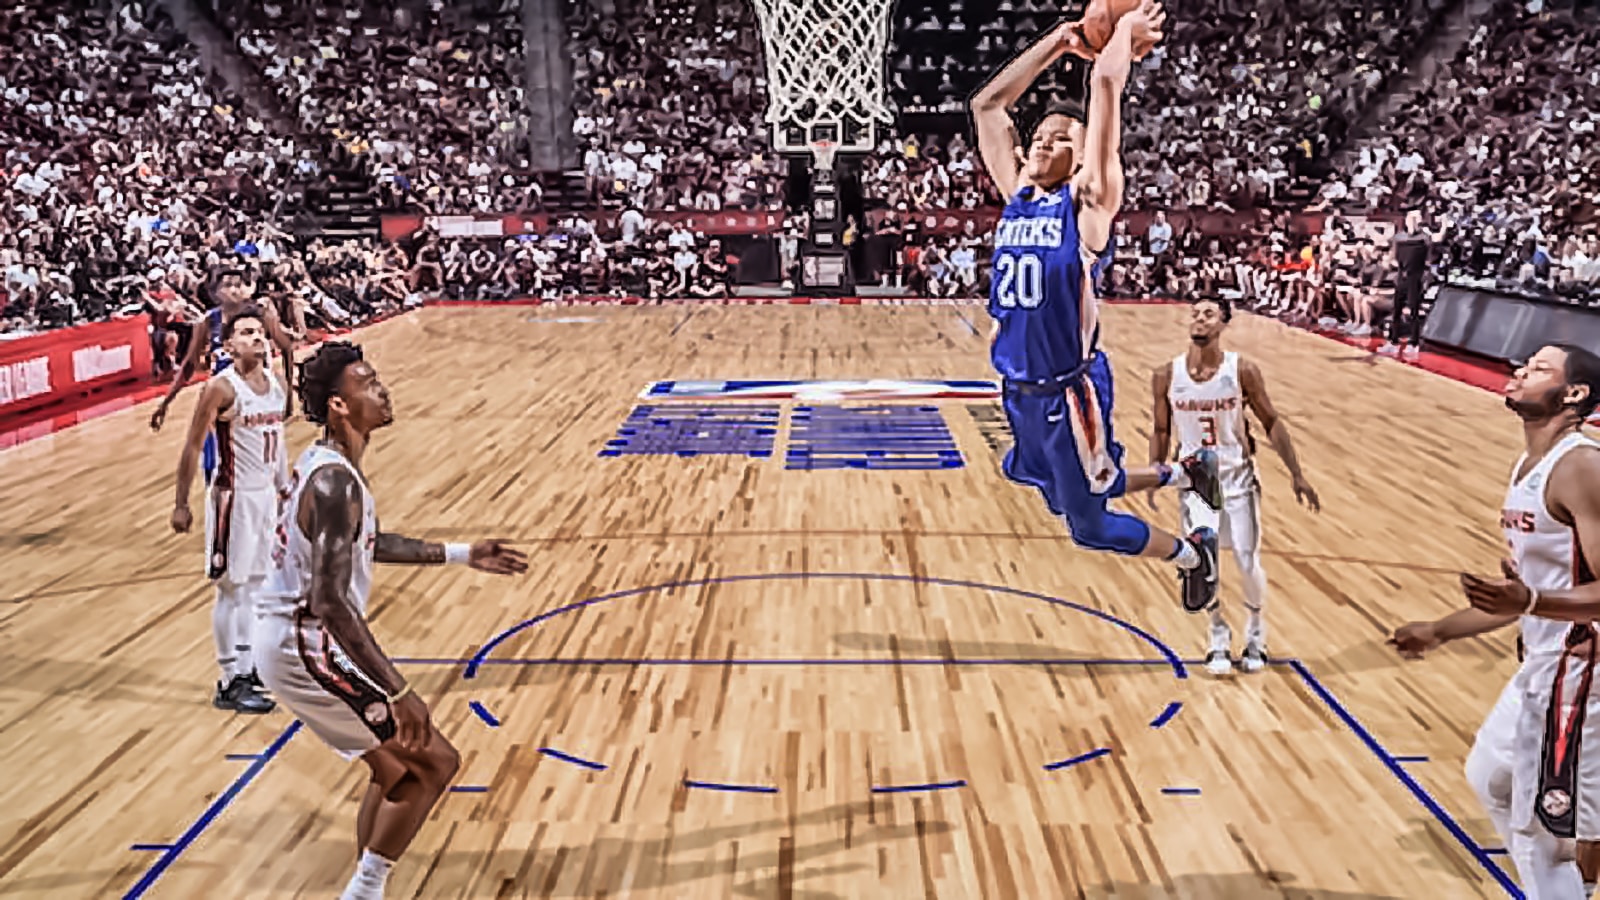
[
  {"x": 1533, "y": 600},
  {"x": 457, "y": 554}
]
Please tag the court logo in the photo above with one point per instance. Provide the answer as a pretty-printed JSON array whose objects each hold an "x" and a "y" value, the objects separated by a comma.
[{"x": 823, "y": 391}]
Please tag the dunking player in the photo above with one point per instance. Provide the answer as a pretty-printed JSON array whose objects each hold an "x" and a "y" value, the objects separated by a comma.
[
  {"x": 1206, "y": 391},
  {"x": 1053, "y": 237},
  {"x": 243, "y": 407},
  {"x": 312, "y": 642},
  {"x": 231, "y": 291},
  {"x": 1528, "y": 764}
]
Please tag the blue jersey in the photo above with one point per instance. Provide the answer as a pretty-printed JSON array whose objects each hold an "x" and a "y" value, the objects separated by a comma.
[
  {"x": 1041, "y": 288},
  {"x": 219, "y": 355}
]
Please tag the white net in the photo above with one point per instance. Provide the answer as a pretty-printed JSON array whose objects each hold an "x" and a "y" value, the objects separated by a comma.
[{"x": 825, "y": 62}]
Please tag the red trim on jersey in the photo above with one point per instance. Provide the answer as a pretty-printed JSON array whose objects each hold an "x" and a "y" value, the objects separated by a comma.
[{"x": 224, "y": 476}]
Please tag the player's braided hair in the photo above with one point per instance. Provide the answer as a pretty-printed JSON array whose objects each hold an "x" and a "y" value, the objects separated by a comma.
[
  {"x": 320, "y": 374},
  {"x": 249, "y": 312},
  {"x": 1583, "y": 367}
]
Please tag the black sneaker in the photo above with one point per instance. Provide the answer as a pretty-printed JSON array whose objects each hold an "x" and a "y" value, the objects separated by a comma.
[
  {"x": 254, "y": 680},
  {"x": 1205, "y": 478},
  {"x": 242, "y": 698},
  {"x": 223, "y": 698},
  {"x": 1200, "y": 582}
]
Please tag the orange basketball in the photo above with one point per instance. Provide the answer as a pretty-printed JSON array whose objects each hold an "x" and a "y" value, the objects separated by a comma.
[{"x": 1100, "y": 20}]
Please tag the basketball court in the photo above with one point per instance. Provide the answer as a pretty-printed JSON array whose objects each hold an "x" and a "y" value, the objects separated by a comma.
[{"x": 777, "y": 640}]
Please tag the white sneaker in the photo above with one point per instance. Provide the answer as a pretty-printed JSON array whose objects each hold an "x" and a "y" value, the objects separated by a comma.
[
  {"x": 1389, "y": 348},
  {"x": 1219, "y": 663},
  {"x": 1253, "y": 659},
  {"x": 1411, "y": 352}
]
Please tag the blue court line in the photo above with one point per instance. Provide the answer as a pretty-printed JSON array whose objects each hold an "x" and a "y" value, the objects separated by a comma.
[
  {"x": 1166, "y": 714},
  {"x": 242, "y": 757},
  {"x": 1410, "y": 759},
  {"x": 469, "y": 789},
  {"x": 575, "y": 760},
  {"x": 1179, "y": 670},
  {"x": 909, "y": 788},
  {"x": 215, "y": 809},
  {"x": 1181, "y": 791},
  {"x": 160, "y": 848},
  {"x": 1081, "y": 758},
  {"x": 736, "y": 788},
  {"x": 739, "y": 661},
  {"x": 1410, "y": 783},
  {"x": 484, "y": 714}
]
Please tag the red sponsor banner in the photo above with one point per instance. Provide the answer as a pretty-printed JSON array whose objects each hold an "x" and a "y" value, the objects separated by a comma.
[{"x": 69, "y": 362}]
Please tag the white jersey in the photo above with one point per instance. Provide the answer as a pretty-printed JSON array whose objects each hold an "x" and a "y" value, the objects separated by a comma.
[
  {"x": 1545, "y": 551},
  {"x": 1211, "y": 414},
  {"x": 287, "y": 589},
  {"x": 250, "y": 441}
]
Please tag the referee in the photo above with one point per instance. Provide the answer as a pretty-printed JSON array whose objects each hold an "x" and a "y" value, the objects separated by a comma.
[{"x": 1411, "y": 255}]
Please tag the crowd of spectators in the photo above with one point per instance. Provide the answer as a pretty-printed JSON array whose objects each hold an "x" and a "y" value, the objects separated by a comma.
[
  {"x": 1499, "y": 149},
  {"x": 426, "y": 97},
  {"x": 667, "y": 105}
]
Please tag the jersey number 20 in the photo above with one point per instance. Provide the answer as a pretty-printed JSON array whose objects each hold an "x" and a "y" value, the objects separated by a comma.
[{"x": 1021, "y": 281}]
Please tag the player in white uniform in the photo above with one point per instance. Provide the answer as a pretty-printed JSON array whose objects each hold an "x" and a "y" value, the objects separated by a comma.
[
  {"x": 313, "y": 644},
  {"x": 243, "y": 406},
  {"x": 1525, "y": 765},
  {"x": 1205, "y": 392}
]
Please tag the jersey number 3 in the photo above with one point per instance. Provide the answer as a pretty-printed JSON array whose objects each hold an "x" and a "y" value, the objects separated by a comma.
[
  {"x": 1021, "y": 281},
  {"x": 1208, "y": 431}
]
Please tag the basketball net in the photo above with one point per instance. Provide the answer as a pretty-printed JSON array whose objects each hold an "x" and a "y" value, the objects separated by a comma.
[{"x": 825, "y": 62}]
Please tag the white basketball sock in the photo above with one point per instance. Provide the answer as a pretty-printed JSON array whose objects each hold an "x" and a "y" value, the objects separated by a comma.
[
  {"x": 372, "y": 873},
  {"x": 244, "y": 622},
  {"x": 1547, "y": 872},
  {"x": 1254, "y": 583},
  {"x": 224, "y": 615}
]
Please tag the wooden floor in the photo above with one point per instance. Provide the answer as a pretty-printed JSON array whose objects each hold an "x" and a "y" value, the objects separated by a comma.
[{"x": 1274, "y": 785}]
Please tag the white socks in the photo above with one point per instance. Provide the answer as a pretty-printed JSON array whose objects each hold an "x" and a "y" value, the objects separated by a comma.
[
  {"x": 372, "y": 873},
  {"x": 1186, "y": 557},
  {"x": 232, "y": 618}
]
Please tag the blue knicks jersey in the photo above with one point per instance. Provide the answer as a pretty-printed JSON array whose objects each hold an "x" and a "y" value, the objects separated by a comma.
[
  {"x": 1041, "y": 288},
  {"x": 219, "y": 355}
]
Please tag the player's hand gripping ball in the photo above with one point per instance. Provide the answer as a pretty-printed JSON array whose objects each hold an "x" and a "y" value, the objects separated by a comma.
[{"x": 1100, "y": 22}]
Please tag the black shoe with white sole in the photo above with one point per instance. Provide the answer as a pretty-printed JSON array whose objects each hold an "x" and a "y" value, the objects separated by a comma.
[
  {"x": 1200, "y": 582},
  {"x": 1205, "y": 476}
]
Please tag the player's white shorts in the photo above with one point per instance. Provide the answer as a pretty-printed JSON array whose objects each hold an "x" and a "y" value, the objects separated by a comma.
[
  {"x": 307, "y": 672},
  {"x": 1238, "y": 523},
  {"x": 241, "y": 529},
  {"x": 1534, "y": 750}
]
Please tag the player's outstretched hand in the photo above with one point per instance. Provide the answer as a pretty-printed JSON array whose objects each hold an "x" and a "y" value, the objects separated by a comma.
[
  {"x": 411, "y": 726},
  {"x": 1305, "y": 493},
  {"x": 182, "y": 519},
  {"x": 497, "y": 558},
  {"x": 1414, "y": 639},
  {"x": 1145, "y": 23},
  {"x": 1500, "y": 597},
  {"x": 158, "y": 417}
]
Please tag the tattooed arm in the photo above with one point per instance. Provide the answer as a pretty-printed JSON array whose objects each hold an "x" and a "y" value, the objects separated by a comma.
[
  {"x": 330, "y": 515},
  {"x": 394, "y": 548}
]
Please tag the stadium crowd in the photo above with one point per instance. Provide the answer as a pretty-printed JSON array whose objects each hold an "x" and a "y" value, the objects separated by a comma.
[{"x": 129, "y": 172}]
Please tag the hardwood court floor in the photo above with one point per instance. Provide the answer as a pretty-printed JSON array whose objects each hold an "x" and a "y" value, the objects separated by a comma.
[{"x": 1253, "y": 787}]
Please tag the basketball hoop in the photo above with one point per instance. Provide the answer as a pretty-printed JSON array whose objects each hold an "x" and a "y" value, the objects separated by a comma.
[{"x": 825, "y": 67}]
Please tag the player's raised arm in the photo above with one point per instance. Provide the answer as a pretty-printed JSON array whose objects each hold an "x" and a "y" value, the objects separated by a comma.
[
  {"x": 998, "y": 142},
  {"x": 1574, "y": 496},
  {"x": 215, "y": 397},
  {"x": 1098, "y": 185},
  {"x": 199, "y": 337},
  {"x": 1255, "y": 394}
]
